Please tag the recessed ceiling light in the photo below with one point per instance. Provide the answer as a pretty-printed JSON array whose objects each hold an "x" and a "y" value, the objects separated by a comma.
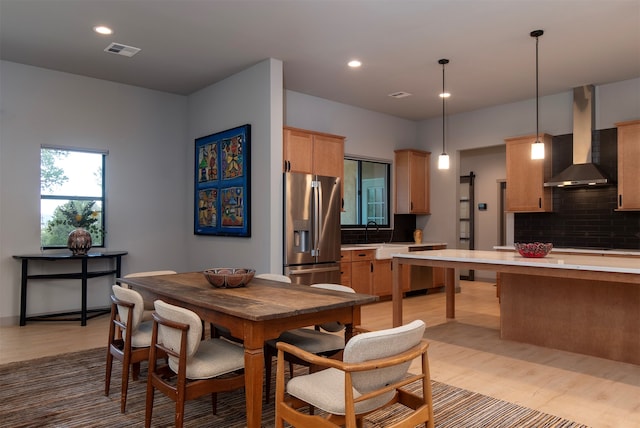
[
  {"x": 354, "y": 63},
  {"x": 101, "y": 29}
]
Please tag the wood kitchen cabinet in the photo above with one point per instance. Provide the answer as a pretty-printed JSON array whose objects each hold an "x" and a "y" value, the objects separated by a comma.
[
  {"x": 311, "y": 152},
  {"x": 362, "y": 270},
  {"x": 345, "y": 268},
  {"x": 412, "y": 181},
  {"x": 526, "y": 176},
  {"x": 383, "y": 277},
  {"x": 629, "y": 165}
]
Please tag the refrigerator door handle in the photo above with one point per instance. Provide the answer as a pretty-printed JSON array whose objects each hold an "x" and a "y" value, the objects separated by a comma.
[
  {"x": 307, "y": 271},
  {"x": 317, "y": 216}
]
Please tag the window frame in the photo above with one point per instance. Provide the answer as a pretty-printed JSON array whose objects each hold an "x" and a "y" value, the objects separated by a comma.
[
  {"x": 101, "y": 200},
  {"x": 359, "y": 190}
]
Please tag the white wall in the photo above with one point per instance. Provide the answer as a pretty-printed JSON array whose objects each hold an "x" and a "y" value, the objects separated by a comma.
[
  {"x": 144, "y": 132},
  {"x": 252, "y": 96}
]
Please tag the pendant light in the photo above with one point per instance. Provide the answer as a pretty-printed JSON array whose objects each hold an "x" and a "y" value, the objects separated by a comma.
[
  {"x": 537, "y": 148},
  {"x": 443, "y": 159}
]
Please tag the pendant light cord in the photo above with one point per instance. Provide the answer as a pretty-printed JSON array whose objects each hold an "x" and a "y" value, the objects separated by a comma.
[
  {"x": 537, "y": 34},
  {"x": 443, "y": 62},
  {"x": 537, "y": 95}
]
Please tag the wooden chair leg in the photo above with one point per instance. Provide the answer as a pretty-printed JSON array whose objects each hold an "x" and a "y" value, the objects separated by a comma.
[
  {"x": 149, "y": 403},
  {"x": 136, "y": 370},
  {"x": 179, "y": 410},
  {"x": 214, "y": 403},
  {"x": 125, "y": 384},
  {"x": 107, "y": 378}
]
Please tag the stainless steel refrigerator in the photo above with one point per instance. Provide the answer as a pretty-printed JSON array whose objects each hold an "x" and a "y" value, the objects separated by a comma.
[{"x": 311, "y": 228}]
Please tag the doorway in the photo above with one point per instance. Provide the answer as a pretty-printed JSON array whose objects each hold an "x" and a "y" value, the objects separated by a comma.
[{"x": 466, "y": 210}]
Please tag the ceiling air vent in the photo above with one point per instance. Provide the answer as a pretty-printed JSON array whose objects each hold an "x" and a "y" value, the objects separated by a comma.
[
  {"x": 399, "y": 94},
  {"x": 120, "y": 49}
]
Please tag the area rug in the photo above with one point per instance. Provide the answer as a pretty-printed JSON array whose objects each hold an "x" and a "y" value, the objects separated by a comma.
[{"x": 68, "y": 391}]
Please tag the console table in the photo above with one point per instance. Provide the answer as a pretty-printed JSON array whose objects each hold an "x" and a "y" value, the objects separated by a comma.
[{"x": 83, "y": 275}]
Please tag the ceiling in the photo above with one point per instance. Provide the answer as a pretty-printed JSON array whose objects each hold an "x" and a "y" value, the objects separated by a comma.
[{"x": 190, "y": 44}]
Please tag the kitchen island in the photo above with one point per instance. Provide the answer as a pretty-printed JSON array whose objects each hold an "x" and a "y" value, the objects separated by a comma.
[{"x": 580, "y": 303}]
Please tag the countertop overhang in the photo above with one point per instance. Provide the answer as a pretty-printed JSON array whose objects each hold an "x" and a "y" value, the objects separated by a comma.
[
  {"x": 390, "y": 244},
  {"x": 577, "y": 262}
]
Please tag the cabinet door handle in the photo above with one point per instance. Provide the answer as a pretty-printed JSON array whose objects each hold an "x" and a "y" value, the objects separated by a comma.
[
  {"x": 411, "y": 205},
  {"x": 620, "y": 200},
  {"x": 371, "y": 266},
  {"x": 539, "y": 202}
]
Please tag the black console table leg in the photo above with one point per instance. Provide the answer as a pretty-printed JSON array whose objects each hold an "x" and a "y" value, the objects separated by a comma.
[
  {"x": 23, "y": 293},
  {"x": 83, "y": 316}
]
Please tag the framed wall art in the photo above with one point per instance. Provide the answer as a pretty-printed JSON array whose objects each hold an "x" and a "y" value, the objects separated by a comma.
[{"x": 222, "y": 183}]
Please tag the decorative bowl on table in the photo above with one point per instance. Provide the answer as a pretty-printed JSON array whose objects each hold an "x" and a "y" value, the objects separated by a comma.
[
  {"x": 533, "y": 249},
  {"x": 229, "y": 277}
]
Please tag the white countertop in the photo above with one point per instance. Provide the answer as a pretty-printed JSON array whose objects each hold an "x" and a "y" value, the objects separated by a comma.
[
  {"x": 630, "y": 253},
  {"x": 389, "y": 244},
  {"x": 552, "y": 261}
]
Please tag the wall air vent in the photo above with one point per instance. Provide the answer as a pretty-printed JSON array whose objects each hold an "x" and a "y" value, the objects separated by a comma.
[
  {"x": 399, "y": 94},
  {"x": 120, "y": 49}
]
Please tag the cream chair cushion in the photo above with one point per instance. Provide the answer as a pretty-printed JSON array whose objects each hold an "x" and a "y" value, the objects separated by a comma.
[
  {"x": 205, "y": 359},
  {"x": 148, "y": 305},
  {"x": 333, "y": 327},
  {"x": 325, "y": 389},
  {"x": 274, "y": 277},
  {"x": 140, "y": 331}
]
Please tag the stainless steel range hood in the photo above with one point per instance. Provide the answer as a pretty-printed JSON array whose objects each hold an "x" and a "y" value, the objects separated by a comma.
[{"x": 582, "y": 172}]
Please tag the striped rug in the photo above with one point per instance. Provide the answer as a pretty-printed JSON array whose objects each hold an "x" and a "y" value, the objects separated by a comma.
[{"x": 68, "y": 391}]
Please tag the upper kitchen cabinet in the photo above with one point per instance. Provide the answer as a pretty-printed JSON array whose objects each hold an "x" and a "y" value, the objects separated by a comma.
[
  {"x": 412, "y": 181},
  {"x": 526, "y": 176},
  {"x": 629, "y": 165},
  {"x": 313, "y": 152}
]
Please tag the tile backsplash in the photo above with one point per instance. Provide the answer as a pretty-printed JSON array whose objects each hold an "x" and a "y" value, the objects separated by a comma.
[{"x": 583, "y": 217}]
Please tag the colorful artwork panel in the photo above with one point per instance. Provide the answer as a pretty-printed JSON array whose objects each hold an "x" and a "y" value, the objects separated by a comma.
[{"x": 222, "y": 183}]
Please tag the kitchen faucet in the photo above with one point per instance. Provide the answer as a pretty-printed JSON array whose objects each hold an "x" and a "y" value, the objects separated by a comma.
[{"x": 366, "y": 230}]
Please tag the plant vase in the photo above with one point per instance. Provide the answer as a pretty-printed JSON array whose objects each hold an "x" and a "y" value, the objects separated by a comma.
[{"x": 79, "y": 241}]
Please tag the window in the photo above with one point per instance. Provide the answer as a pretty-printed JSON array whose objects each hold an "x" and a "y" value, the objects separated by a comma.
[
  {"x": 71, "y": 195},
  {"x": 366, "y": 192}
]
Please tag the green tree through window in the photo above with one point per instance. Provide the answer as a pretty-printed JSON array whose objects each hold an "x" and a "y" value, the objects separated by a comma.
[{"x": 71, "y": 195}]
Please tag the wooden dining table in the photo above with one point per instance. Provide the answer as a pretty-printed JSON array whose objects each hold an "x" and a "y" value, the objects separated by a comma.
[{"x": 255, "y": 313}]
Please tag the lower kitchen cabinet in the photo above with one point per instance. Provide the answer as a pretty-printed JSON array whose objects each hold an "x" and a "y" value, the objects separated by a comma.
[
  {"x": 345, "y": 268},
  {"x": 362, "y": 270},
  {"x": 382, "y": 277}
]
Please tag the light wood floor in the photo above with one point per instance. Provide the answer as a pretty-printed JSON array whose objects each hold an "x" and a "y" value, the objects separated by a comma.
[{"x": 466, "y": 352}]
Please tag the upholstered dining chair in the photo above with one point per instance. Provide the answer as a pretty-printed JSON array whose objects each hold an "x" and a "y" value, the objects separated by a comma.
[
  {"x": 274, "y": 277},
  {"x": 148, "y": 305},
  {"x": 314, "y": 340},
  {"x": 194, "y": 367},
  {"x": 129, "y": 338},
  {"x": 372, "y": 375}
]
